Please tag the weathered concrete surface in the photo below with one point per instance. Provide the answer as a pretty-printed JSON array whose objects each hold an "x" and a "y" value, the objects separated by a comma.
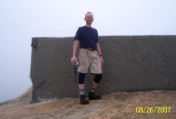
[{"x": 132, "y": 63}]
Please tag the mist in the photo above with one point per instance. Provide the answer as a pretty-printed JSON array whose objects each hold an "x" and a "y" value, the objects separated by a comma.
[{"x": 21, "y": 20}]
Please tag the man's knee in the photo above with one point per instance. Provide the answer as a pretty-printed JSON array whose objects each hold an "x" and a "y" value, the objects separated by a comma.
[
  {"x": 81, "y": 78},
  {"x": 97, "y": 78}
]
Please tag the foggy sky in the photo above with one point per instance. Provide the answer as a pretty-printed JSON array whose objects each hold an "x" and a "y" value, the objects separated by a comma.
[{"x": 20, "y": 20}]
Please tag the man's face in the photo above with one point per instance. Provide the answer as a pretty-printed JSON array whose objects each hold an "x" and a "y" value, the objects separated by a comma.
[{"x": 89, "y": 18}]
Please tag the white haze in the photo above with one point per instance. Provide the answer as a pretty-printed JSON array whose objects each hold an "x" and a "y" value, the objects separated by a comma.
[{"x": 20, "y": 20}]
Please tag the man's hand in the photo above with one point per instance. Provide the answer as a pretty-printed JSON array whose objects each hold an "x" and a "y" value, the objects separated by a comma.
[
  {"x": 101, "y": 60},
  {"x": 73, "y": 59}
]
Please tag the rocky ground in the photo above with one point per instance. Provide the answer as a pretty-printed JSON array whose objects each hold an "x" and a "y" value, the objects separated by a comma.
[{"x": 121, "y": 105}]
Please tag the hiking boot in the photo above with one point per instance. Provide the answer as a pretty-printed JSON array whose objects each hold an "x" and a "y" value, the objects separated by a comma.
[
  {"x": 83, "y": 100},
  {"x": 92, "y": 96}
]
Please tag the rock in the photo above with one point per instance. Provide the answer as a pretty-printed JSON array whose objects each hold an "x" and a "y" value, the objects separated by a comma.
[
  {"x": 120, "y": 105},
  {"x": 132, "y": 63}
]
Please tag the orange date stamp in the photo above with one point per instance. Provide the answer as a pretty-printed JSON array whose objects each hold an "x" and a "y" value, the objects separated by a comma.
[{"x": 153, "y": 109}]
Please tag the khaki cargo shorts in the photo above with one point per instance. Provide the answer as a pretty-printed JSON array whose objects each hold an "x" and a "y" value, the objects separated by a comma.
[{"x": 89, "y": 58}]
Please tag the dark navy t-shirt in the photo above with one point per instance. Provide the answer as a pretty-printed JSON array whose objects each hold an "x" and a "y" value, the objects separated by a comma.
[{"x": 87, "y": 36}]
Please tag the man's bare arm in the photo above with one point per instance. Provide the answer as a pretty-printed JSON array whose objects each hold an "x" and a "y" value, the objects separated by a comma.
[
  {"x": 99, "y": 49},
  {"x": 75, "y": 47}
]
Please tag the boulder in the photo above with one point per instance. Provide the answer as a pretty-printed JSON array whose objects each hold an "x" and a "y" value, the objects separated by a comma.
[{"x": 132, "y": 63}]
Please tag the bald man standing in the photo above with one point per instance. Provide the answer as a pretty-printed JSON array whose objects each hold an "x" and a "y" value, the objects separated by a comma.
[{"x": 90, "y": 56}]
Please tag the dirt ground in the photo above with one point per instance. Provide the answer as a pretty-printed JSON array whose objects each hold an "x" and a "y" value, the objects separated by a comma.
[{"x": 121, "y": 105}]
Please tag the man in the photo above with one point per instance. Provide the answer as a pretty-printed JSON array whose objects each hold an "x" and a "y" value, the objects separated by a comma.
[{"x": 86, "y": 39}]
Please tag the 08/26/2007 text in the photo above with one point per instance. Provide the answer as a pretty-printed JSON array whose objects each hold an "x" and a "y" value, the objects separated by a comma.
[{"x": 152, "y": 109}]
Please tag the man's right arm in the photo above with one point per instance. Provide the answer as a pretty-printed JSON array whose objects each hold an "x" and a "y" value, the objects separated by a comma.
[{"x": 75, "y": 47}]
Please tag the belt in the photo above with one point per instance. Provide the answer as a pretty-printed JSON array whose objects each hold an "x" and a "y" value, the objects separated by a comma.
[{"x": 92, "y": 49}]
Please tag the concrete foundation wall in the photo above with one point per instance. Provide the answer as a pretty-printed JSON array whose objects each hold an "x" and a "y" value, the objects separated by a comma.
[{"x": 132, "y": 63}]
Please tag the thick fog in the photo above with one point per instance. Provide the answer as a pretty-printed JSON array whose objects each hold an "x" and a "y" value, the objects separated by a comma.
[{"x": 20, "y": 20}]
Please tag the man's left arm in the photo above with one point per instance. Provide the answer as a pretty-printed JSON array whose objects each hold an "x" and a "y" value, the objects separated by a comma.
[{"x": 99, "y": 52}]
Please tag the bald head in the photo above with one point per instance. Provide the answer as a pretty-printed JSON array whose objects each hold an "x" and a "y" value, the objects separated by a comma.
[
  {"x": 89, "y": 18},
  {"x": 89, "y": 14}
]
